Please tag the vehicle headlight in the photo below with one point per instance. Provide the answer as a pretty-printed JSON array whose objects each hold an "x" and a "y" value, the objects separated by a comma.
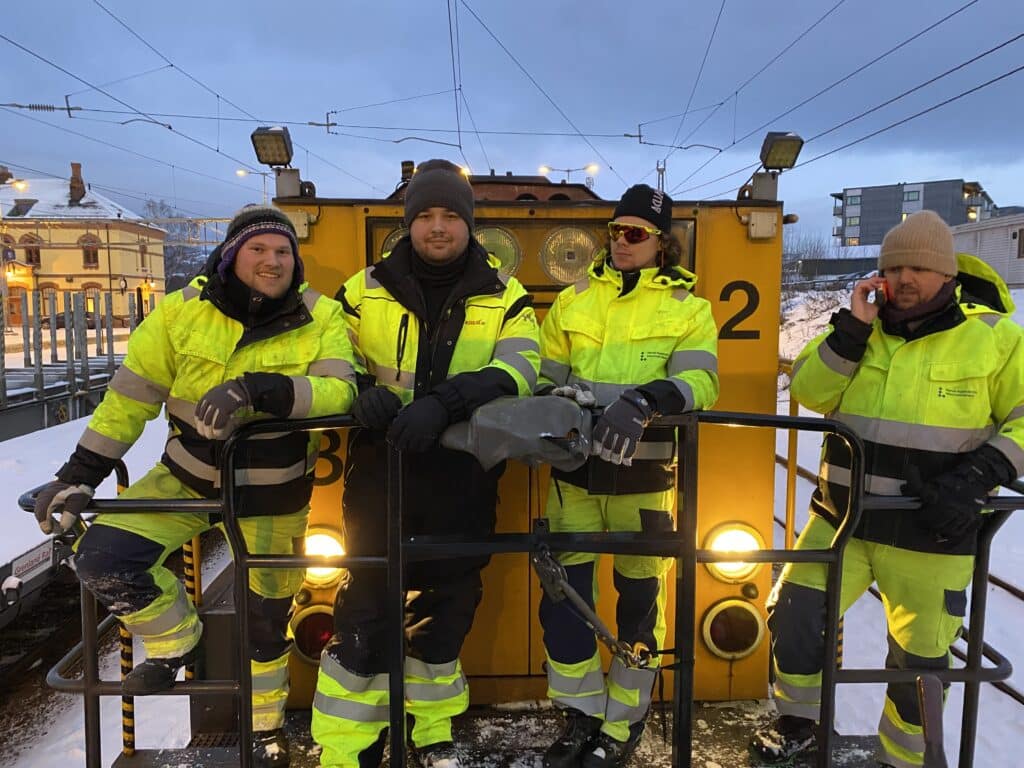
[
  {"x": 324, "y": 542},
  {"x": 732, "y": 629},
  {"x": 733, "y": 537}
]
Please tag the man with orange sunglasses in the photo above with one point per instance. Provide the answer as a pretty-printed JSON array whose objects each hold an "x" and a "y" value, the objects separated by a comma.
[{"x": 633, "y": 340}]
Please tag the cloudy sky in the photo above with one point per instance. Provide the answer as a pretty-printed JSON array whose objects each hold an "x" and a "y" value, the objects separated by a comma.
[{"x": 555, "y": 82}]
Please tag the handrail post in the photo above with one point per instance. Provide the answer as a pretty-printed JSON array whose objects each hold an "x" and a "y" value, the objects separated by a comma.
[
  {"x": 91, "y": 676},
  {"x": 240, "y": 554},
  {"x": 976, "y": 636},
  {"x": 395, "y": 606},
  {"x": 791, "y": 465},
  {"x": 686, "y": 594}
]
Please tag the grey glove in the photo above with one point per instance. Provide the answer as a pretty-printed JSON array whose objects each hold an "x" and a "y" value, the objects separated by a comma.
[
  {"x": 618, "y": 431},
  {"x": 65, "y": 499},
  {"x": 215, "y": 410},
  {"x": 579, "y": 392}
]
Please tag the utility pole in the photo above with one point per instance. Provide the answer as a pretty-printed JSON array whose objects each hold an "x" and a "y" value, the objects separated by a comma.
[{"x": 659, "y": 166}]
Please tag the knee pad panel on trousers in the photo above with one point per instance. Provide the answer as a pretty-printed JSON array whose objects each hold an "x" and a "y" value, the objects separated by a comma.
[
  {"x": 114, "y": 565},
  {"x": 566, "y": 637},
  {"x": 439, "y": 617},
  {"x": 268, "y": 626},
  {"x": 904, "y": 695},
  {"x": 636, "y": 612},
  {"x": 797, "y": 624}
]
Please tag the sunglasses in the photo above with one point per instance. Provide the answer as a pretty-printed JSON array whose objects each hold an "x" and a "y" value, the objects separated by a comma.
[{"x": 634, "y": 233}]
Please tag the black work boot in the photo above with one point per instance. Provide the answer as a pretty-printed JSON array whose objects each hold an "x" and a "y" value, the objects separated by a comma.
[
  {"x": 270, "y": 749},
  {"x": 606, "y": 752},
  {"x": 786, "y": 737},
  {"x": 580, "y": 730},
  {"x": 444, "y": 754},
  {"x": 155, "y": 675}
]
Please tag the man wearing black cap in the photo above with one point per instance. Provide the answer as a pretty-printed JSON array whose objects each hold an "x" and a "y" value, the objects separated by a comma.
[
  {"x": 439, "y": 332},
  {"x": 634, "y": 340},
  {"x": 247, "y": 339}
]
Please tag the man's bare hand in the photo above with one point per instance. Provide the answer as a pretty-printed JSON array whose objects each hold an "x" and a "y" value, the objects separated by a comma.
[{"x": 860, "y": 307}]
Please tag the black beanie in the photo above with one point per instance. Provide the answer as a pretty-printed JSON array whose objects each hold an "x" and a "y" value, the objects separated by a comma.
[
  {"x": 255, "y": 220},
  {"x": 439, "y": 183},
  {"x": 651, "y": 205}
]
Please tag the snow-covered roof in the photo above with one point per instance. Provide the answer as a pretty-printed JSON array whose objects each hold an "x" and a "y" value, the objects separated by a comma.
[{"x": 52, "y": 201}]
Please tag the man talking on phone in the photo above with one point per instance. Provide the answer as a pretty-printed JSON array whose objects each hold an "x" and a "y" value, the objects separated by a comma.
[{"x": 933, "y": 383}]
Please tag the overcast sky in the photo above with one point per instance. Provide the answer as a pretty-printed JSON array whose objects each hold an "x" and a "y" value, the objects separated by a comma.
[{"x": 608, "y": 68}]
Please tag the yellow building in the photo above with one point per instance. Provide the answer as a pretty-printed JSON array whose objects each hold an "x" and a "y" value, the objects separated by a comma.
[{"x": 58, "y": 236}]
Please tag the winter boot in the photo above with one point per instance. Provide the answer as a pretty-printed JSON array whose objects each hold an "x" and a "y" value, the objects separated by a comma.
[
  {"x": 270, "y": 749},
  {"x": 788, "y": 736},
  {"x": 580, "y": 730},
  {"x": 155, "y": 675},
  {"x": 444, "y": 754},
  {"x": 606, "y": 752}
]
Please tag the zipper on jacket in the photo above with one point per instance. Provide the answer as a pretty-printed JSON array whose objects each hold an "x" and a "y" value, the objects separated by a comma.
[{"x": 403, "y": 334}]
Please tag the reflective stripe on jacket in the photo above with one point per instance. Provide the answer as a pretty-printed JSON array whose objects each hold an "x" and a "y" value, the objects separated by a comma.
[
  {"x": 658, "y": 331},
  {"x": 923, "y": 402},
  {"x": 187, "y": 346}
]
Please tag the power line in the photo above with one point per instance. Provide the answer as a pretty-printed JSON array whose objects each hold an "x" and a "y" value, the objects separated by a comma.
[
  {"x": 877, "y": 107},
  {"x": 125, "y": 149},
  {"x": 836, "y": 83},
  {"x": 696, "y": 81},
  {"x": 543, "y": 92},
  {"x": 456, "y": 84},
  {"x": 92, "y": 184},
  {"x": 224, "y": 98},
  {"x": 150, "y": 118},
  {"x": 478, "y": 137}
]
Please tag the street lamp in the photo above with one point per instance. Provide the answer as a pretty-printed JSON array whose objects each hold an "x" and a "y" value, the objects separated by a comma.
[
  {"x": 590, "y": 169},
  {"x": 242, "y": 173}
]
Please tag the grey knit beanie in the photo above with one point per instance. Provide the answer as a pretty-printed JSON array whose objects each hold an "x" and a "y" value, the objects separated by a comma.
[
  {"x": 439, "y": 183},
  {"x": 921, "y": 240}
]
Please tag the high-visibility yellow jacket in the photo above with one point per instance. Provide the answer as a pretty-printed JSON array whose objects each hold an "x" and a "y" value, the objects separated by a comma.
[
  {"x": 921, "y": 398},
  {"x": 185, "y": 347},
  {"x": 656, "y": 336}
]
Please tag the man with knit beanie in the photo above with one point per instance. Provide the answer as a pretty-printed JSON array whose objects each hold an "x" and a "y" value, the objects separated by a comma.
[
  {"x": 247, "y": 339},
  {"x": 439, "y": 332},
  {"x": 932, "y": 380}
]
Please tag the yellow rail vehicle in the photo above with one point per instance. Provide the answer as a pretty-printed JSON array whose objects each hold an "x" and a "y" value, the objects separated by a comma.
[{"x": 546, "y": 235}]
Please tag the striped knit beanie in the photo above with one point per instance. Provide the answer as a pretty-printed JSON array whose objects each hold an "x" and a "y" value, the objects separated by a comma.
[{"x": 255, "y": 220}]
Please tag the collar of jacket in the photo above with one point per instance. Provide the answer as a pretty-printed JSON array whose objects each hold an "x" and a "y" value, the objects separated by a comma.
[
  {"x": 601, "y": 268},
  {"x": 291, "y": 314},
  {"x": 942, "y": 319},
  {"x": 394, "y": 273},
  {"x": 981, "y": 288}
]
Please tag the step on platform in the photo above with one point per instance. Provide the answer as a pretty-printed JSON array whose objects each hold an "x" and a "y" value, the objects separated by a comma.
[{"x": 517, "y": 737}]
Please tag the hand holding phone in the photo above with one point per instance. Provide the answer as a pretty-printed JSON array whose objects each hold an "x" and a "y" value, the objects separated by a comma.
[{"x": 882, "y": 295}]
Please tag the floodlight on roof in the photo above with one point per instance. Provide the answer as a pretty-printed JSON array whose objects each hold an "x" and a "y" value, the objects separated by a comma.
[
  {"x": 780, "y": 150},
  {"x": 273, "y": 145}
]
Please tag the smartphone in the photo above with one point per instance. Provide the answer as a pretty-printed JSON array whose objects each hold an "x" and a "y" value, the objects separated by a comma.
[{"x": 882, "y": 295}]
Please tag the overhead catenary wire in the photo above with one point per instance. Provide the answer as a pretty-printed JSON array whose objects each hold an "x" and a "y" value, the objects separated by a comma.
[
  {"x": 696, "y": 80},
  {"x": 456, "y": 85},
  {"x": 831, "y": 86},
  {"x": 544, "y": 93},
  {"x": 226, "y": 100}
]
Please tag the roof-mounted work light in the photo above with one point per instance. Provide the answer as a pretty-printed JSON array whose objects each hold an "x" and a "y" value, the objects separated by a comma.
[
  {"x": 780, "y": 150},
  {"x": 273, "y": 145}
]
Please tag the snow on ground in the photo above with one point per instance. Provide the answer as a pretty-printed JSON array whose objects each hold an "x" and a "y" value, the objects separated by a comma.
[{"x": 163, "y": 721}]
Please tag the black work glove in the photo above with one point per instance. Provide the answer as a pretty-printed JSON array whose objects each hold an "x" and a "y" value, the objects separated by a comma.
[
  {"x": 376, "y": 407},
  {"x": 617, "y": 432},
  {"x": 419, "y": 425},
  {"x": 65, "y": 499},
  {"x": 951, "y": 502}
]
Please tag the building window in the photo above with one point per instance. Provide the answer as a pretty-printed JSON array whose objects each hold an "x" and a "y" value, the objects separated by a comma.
[
  {"x": 48, "y": 298},
  {"x": 90, "y": 251},
  {"x": 911, "y": 197},
  {"x": 853, "y": 200},
  {"x": 853, "y": 241},
  {"x": 91, "y": 292},
  {"x": 31, "y": 245},
  {"x": 1020, "y": 243},
  {"x": 853, "y": 221},
  {"x": 142, "y": 256}
]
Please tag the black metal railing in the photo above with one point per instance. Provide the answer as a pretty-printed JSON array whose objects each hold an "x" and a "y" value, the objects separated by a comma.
[{"x": 680, "y": 545}]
